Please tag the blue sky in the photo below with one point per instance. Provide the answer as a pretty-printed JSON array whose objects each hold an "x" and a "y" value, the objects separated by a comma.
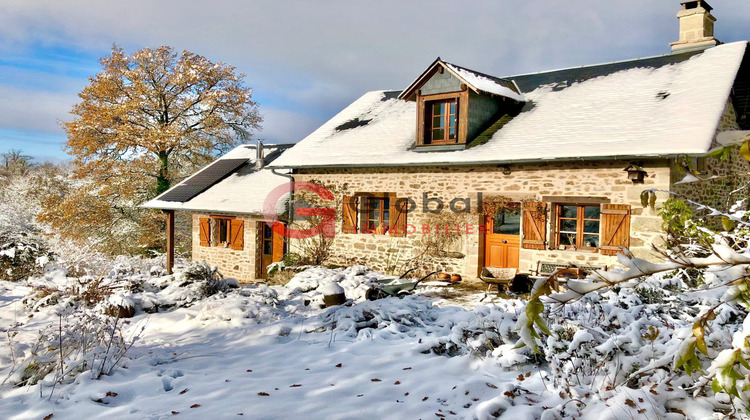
[{"x": 307, "y": 60}]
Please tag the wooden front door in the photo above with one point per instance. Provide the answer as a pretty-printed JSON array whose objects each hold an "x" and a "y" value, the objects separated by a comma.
[
  {"x": 503, "y": 237},
  {"x": 272, "y": 248}
]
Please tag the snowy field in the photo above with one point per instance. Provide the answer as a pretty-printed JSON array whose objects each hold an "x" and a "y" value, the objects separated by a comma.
[{"x": 273, "y": 353}]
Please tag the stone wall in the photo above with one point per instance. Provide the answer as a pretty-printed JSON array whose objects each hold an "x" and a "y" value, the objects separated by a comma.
[
  {"x": 541, "y": 181},
  {"x": 723, "y": 186},
  {"x": 238, "y": 264}
]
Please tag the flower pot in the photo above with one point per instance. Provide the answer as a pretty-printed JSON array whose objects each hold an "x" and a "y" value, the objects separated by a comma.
[
  {"x": 444, "y": 276},
  {"x": 455, "y": 278}
]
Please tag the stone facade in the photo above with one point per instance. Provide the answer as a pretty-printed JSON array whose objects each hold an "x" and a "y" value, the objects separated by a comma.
[
  {"x": 603, "y": 181},
  {"x": 238, "y": 264},
  {"x": 724, "y": 188},
  {"x": 548, "y": 182}
]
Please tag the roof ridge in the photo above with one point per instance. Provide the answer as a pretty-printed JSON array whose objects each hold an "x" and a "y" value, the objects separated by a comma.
[{"x": 632, "y": 60}]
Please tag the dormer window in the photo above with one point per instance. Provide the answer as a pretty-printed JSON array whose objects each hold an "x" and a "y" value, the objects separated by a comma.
[
  {"x": 446, "y": 94},
  {"x": 444, "y": 127},
  {"x": 442, "y": 118}
]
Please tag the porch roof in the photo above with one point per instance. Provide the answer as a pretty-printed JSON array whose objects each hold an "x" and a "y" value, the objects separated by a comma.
[{"x": 231, "y": 184}]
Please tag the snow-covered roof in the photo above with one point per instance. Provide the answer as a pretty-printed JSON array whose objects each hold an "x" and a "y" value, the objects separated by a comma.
[
  {"x": 662, "y": 106},
  {"x": 239, "y": 189},
  {"x": 485, "y": 83},
  {"x": 478, "y": 82}
]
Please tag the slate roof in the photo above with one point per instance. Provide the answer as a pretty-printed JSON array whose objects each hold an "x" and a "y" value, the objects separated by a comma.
[
  {"x": 653, "y": 107},
  {"x": 230, "y": 184}
]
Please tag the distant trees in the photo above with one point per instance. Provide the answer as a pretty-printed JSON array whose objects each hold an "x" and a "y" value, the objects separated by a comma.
[
  {"x": 14, "y": 162},
  {"x": 144, "y": 121}
]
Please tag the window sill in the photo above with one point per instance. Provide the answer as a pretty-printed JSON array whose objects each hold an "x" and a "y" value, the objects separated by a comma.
[
  {"x": 577, "y": 250},
  {"x": 424, "y": 148}
]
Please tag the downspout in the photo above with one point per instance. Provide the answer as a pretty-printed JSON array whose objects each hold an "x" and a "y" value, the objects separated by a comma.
[{"x": 290, "y": 204}]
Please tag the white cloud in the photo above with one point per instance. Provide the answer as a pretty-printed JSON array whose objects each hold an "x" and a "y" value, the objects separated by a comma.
[
  {"x": 34, "y": 110},
  {"x": 281, "y": 126},
  {"x": 317, "y": 56}
]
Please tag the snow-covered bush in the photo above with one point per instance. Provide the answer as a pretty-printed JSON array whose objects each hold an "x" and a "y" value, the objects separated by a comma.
[
  {"x": 81, "y": 341},
  {"x": 22, "y": 256},
  {"x": 666, "y": 330}
]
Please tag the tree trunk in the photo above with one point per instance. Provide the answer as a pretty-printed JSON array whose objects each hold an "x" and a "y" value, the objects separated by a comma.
[{"x": 163, "y": 181}]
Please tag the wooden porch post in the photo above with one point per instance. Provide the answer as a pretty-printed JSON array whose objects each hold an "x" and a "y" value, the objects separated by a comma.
[{"x": 170, "y": 240}]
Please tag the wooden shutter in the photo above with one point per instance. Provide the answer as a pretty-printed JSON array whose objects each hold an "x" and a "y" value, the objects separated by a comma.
[
  {"x": 534, "y": 225},
  {"x": 278, "y": 245},
  {"x": 615, "y": 228},
  {"x": 237, "y": 233},
  {"x": 397, "y": 220},
  {"x": 349, "y": 214},
  {"x": 259, "y": 249},
  {"x": 205, "y": 231}
]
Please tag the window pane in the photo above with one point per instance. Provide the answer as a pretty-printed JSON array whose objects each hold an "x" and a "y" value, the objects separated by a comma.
[
  {"x": 567, "y": 225},
  {"x": 223, "y": 230},
  {"x": 591, "y": 241},
  {"x": 438, "y": 108},
  {"x": 438, "y": 134},
  {"x": 567, "y": 239},
  {"x": 267, "y": 247},
  {"x": 438, "y": 122},
  {"x": 508, "y": 222},
  {"x": 453, "y": 107},
  {"x": 569, "y": 211},
  {"x": 591, "y": 212},
  {"x": 267, "y": 232},
  {"x": 591, "y": 226},
  {"x": 452, "y": 121},
  {"x": 452, "y": 133}
]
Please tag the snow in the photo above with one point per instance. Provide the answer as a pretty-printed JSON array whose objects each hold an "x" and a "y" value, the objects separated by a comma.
[
  {"x": 732, "y": 137},
  {"x": 244, "y": 191},
  {"x": 274, "y": 352},
  {"x": 485, "y": 84},
  {"x": 618, "y": 115}
]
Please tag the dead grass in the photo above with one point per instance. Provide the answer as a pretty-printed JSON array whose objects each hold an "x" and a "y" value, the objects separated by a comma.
[{"x": 280, "y": 277}]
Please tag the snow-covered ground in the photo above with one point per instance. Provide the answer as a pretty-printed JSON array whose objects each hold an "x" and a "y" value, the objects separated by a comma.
[{"x": 272, "y": 352}]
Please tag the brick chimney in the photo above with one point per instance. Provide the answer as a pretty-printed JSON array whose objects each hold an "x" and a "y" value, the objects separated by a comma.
[{"x": 696, "y": 27}]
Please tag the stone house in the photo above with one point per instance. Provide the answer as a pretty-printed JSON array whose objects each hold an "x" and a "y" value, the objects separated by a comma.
[
  {"x": 558, "y": 159},
  {"x": 462, "y": 170}
]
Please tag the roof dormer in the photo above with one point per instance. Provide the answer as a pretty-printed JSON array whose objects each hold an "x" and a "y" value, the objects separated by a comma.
[{"x": 455, "y": 104}]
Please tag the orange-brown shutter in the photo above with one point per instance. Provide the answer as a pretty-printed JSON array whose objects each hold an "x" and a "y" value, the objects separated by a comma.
[
  {"x": 349, "y": 214},
  {"x": 397, "y": 220},
  {"x": 205, "y": 231},
  {"x": 534, "y": 225},
  {"x": 237, "y": 233},
  {"x": 278, "y": 245},
  {"x": 420, "y": 119},
  {"x": 615, "y": 228}
]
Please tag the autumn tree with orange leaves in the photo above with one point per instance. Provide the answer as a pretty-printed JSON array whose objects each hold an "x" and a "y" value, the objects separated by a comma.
[{"x": 145, "y": 121}]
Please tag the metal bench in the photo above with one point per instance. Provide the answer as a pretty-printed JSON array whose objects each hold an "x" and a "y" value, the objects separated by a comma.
[{"x": 559, "y": 273}]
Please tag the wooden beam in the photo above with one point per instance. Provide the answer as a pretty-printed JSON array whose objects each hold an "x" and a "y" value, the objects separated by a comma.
[{"x": 170, "y": 240}]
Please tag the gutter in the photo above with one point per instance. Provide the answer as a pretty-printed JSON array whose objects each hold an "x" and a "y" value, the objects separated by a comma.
[{"x": 488, "y": 163}]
